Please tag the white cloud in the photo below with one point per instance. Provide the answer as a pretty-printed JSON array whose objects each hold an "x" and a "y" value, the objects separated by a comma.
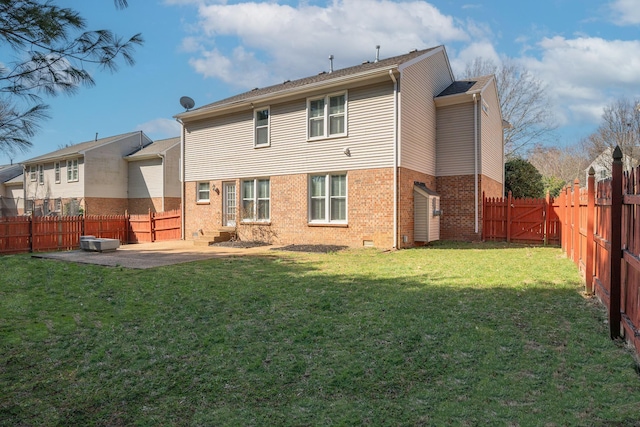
[
  {"x": 282, "y": 42},
  {"x": 481, "y": 49},
  {"x": 586, "y": 73},
  {"x": 160, "y": 128},
  {"x": 626, "y": 12}
]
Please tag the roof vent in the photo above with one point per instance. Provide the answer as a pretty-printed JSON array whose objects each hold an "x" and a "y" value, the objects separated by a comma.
[
  {"x": 255, "y": 88},
  {"x": 414, "y": 50},
  {"x": 286, "y": 81},
  {"x": 377, "y": 53},
  {"x": 331, "y": 63},
  {"x": 365, "y": 62}
]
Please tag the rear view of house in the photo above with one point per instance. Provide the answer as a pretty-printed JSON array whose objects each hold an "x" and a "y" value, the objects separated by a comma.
[{"x": 342, "y": 157}]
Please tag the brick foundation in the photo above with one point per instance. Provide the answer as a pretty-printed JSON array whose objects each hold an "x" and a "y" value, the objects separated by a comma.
[
  {"x": 105, "y": 206},
  {"x": 369, "y": 212}
]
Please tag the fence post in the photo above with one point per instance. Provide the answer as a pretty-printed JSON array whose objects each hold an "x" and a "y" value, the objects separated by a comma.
[
  {"x": 591, "y": 211},
  {"x": 567, "y": 212},
  {"x": 576, "y": 222},
  {"x": 509, "y": 197},
  {"x": 615, "y": 255},
  {"x": 151, "y": 230},
  {"x": 484, "y": 216},
  {"x": 547, "y": 218}
]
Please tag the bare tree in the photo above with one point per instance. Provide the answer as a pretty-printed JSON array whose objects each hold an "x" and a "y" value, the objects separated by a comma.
[
  {"x": 559, "y": 166},
  {"x": 52, "y": 54},
  {"x": 620, "y": 126},
  {"x": 523, "y": 101}
]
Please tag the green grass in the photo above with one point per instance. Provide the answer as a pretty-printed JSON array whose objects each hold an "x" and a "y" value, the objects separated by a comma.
[{"x": 455, "y": 334}]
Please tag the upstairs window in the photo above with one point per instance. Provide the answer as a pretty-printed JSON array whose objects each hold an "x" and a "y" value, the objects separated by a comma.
[
  {"x": 72, "y": 170},
  {"x": 327, "y": 116},
  {"x": 256, "y": 200},
  {"x": 261, "y": 128},
  {"x": 56, "y": 168},
  {"x": 41, "y": 174},
  {"x": 32, "y": 173}
]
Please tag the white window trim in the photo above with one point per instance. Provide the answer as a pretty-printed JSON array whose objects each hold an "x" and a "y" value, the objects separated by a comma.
[
  {"x": 57, "y": 172},
  {"x": 198, "y": 192},
  {"x": 255, "y": 127},
  {"x": 327, "y": 196},
  {"x": 41, "y": 174},
  {"x": 33, "y": 176},
  {"x": 327, "y": 116},
  {"x": 71, "y": 168},
  {"x": 256, "y": 199}
]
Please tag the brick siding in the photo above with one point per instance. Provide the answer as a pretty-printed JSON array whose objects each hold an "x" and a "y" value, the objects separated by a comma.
[{"x": 369, "y": 212}]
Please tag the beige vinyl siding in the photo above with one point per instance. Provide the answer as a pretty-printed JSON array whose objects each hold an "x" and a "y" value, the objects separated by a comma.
[
  {"x": 222, "y": 147},
  {"x": 145, "y": 178},
  {"x": 455, "y": 145},
  {"x": 50, "y": 189},
  {"x": 491, "y": 136},
  {"x": 107, "y": 170},
  {"x": 419, "y": 83}
]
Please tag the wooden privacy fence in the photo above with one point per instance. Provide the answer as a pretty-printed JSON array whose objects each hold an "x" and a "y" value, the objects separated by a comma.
[
  {"x": 601, "y": 234},
  {"x": 40, "y": 234},
  {"x": 519, "y": 220}
]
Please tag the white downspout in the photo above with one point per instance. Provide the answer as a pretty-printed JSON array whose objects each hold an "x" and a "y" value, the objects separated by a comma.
[
  {"x": 475, "y": 159},
  {"x": 395, "y": 159},
  {"x": 182, "y": 207}
]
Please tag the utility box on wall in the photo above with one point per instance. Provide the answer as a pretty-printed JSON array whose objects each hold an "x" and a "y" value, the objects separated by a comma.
[{"x": 426, "y": 213}]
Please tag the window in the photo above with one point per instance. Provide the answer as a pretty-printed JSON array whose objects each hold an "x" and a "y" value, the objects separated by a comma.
[
  {"x": 327, "y": 116},
  {"x": 32, "y": 173},
  {"x": 485, "y": 107},
  {"x": 56, "y": 168},
  {"x": 261, "y": 124},
  {"x": 256, "y": 195},
  {"x": 58, "y": 205},
  {"x": 29, "y": 205},
  {"x": 328, "y": 198},
  {"x": 41, "y": 174},
  {"x": 203, "y": 192},
  {"x": 72, "y": 170}
]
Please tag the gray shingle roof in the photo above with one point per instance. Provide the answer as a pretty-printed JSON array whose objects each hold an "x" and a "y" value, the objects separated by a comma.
[
  {"x": 8, "y": 172},
  {"x": 156, "y": 147},
  {"x": 466, "y": 86},
  {"x": 76, "y": 149},
  {"x": 322, "y": 77}
]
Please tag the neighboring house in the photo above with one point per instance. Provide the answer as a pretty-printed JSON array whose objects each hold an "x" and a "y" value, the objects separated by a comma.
[
  {"x": 93, "y": 177},
  {"x": 11, "y": 193},
  {"x": 602, "y": 164},
  {"x": 153, "y": 177},
  {"x": 345, "y": 156}
]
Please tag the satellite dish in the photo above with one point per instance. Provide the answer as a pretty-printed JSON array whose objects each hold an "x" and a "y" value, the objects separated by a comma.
[{"x": 187, "y": 103}]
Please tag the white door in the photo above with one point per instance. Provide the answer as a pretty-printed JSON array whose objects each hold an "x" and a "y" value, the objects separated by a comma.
[{"x": 229, "y": 204}]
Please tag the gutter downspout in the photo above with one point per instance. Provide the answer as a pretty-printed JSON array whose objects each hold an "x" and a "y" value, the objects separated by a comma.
[
  {"x": 395, "y": 159},
  {"x": 475, "y": 160},
  {"x": 182, "y": 207},
  {"x": 164, "y": 171}
]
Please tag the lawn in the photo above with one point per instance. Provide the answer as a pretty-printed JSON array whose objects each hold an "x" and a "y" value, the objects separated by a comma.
[{"x": 454, "y": 334}]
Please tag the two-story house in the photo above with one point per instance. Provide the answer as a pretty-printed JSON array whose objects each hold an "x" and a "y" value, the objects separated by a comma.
[
  {"x": 99, "y": 177},
  {"x": 341, "y": 157}
]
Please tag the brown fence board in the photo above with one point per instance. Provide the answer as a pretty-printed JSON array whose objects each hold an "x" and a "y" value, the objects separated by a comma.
[{"x": 39, "y": 234}]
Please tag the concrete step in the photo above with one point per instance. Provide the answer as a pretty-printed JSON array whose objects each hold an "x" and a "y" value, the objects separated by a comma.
[{"x": 208, "y": 237}]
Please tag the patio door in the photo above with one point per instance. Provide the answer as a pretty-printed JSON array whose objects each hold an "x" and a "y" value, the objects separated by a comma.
[{"x": 229, "y": 201}]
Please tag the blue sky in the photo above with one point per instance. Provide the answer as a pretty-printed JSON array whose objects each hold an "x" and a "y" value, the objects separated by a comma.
[{"x": 586, "y": 51}]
